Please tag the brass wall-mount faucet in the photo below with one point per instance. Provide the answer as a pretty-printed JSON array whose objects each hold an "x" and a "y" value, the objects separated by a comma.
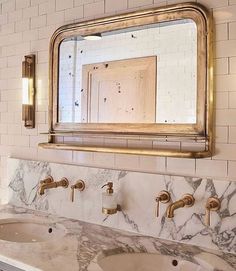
[
  {"x": 163, "y": 197},
  {"x": 186, "y": 201},
  {"x": 80, "y": 185},
  {"x": 49, "y": 183},
  {"x": 48, "y": 179},
  {"x": 213, "y": 204}
]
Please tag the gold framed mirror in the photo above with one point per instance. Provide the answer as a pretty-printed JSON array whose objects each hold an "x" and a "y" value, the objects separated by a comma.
[{"x": 142, "y": 76}]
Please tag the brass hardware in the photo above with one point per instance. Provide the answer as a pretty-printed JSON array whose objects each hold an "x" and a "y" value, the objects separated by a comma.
[
  {"x": 49, "y": 179},
  {"x": 28, "y": 91},
  {"x": 109, "y": 187},
  {"x": 107, "y": 211},
  {"x": 104, "y": 149},
  {"x": 213, "y": 204},
  {"x": 119, "y": 209},
  {"x": 48, "y": 185},
  {"x": 73, "y": 133},
  {"x": 186, "y": 201},
  {"x": 203, "y": 127},
  {"x": 80, "y": 185},
  {"x": 163, "y": 197}
]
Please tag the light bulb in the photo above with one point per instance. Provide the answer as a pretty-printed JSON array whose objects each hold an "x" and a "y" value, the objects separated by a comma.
[
  {"x": 93, "y": 37},
  {"x": 25, "y": 90},
  {"x": 26, "y": 95}
]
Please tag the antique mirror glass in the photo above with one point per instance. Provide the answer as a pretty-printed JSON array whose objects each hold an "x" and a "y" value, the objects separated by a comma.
[
  {"x": 145, "y": 74},
  {"x": 141, "y": 74}
]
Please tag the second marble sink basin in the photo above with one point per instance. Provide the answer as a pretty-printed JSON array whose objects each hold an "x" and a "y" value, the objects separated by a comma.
[
  {"x": 29, "y": 231},
  {"x": 146, "y": 262}
]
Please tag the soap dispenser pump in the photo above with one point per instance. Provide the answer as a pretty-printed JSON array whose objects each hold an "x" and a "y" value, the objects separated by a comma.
[{"x": 109, "y": 200}]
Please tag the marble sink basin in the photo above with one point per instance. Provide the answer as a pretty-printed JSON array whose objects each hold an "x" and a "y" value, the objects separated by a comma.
[
  {"x": 146, "y": 262},
  {"x": 29, "y": 231}
]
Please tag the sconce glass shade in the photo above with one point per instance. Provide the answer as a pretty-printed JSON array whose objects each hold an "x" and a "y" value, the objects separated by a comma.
[{"x": 28, "y": 91}]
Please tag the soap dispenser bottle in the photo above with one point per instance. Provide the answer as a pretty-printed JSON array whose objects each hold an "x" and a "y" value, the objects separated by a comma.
[{"x": 109, "y": 200}]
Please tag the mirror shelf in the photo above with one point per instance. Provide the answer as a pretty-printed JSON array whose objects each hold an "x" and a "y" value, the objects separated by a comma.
[
  {"x": 188, "y": 147},
  {"x": 171, "y": 137},
  {"x": 134, "y": 151},
  {"x": 140, "y": 98}
]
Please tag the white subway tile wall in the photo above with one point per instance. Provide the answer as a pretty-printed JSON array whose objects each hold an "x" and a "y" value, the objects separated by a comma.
[{"x": 26, "y": 27}]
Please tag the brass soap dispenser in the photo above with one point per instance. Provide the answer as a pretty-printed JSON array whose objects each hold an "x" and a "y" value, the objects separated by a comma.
[{"x": 109, "y": 200}]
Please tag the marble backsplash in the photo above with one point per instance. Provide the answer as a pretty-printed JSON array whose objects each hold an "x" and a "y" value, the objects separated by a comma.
[{"x": 137, "y": 193}]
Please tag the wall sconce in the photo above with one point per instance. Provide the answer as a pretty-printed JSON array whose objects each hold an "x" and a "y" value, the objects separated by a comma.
[{"x": 28, "y": 91}]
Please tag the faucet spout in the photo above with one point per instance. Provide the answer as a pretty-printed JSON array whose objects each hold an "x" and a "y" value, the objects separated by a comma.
[
  {"x": 172, "y": 207},
  {"x": 43, "y": 186},
  {"x": 186, "y": 201}
]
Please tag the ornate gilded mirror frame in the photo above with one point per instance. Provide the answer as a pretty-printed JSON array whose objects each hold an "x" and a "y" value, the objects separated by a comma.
[{"x": 202, "y": 130}]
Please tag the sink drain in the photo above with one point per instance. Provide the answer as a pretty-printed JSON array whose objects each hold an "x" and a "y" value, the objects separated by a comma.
[
  {"x": 50, "y": 230},
  {"x": 174, "y": 262}
]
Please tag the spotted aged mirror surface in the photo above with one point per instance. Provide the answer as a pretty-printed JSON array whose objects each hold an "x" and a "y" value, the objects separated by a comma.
[
  {"x": 145, "y": 74},
  {"x": 142, "y": 74}
]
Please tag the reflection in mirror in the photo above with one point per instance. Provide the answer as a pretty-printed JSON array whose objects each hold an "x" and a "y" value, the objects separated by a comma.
[{"x": 144, "y": 74}]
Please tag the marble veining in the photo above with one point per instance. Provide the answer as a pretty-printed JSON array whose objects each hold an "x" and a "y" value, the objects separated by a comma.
[
  {"x": 137, "y": 192},
  {"x": 85, "y": 243}
]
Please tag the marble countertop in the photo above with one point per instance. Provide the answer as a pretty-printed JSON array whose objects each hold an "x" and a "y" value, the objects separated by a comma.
[{"x": 83, "y": 243}]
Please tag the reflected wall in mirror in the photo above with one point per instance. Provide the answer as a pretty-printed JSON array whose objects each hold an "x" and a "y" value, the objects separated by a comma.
[{"x": 145, "y": 74}]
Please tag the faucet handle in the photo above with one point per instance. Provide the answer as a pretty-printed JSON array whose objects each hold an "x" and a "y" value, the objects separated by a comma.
[
  {"x": 213, "y": 204},
  {"x": 80, "y": 185},
  {"x": 48, "y": 179},
  {"x": 63, "y": 182},
  {"x": 188, "y": 200},
  {"x": 163, "y": 197}
]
